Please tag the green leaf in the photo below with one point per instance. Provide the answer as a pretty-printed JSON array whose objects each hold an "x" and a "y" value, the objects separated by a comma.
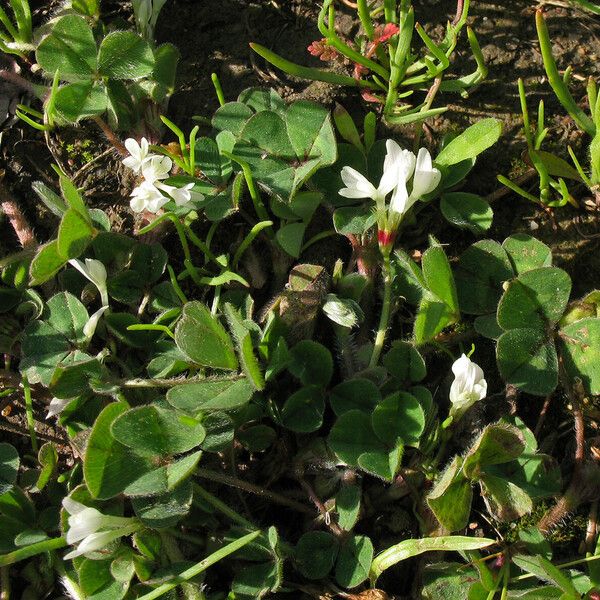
[
  {"x": 290, "y": 238},
  {"x": 74, "y": 234},
  {"x": 303, "y": 410},
  {"x": 347, "y": 506},
  {"x": 220, "y": 432},
  {"x": 343, "y": 311},
  {"x": 149, "y": 261},
  {"x": 528, "y": 360},
  {"x": 257, "y": 580},
  {"x": 154, "y": 431},
  {"x": 316, "y": 553},
  {"x": 580, "y": 344},
  {"x": 42, "y": 349},
  {"x": 77, "y": 101},
  {"x": 353, "y": 220},
  {"x": 67, "y": 315},
  {"x": 399, "y": 418},
  {"x": 72, "y": 375},
  {"x": 311, "y": 363},
  {"x": 433, "y": 315},
  {"x": 97, "y": 583},
  {"x": 527, "y": 253},
  {"x": 438, "y": 276},
  {"x": 164, "y": 479},
  {"x": 70, "y": 49},
  {"x": 361, "y": 394},
  {"x": 505, "y": 500},
  {"x": 481, "y": 271},
  {"x": 165, "y": 510},
  {"x": 404, "y": 362},
  {"x": 410, "y": 548},
  {"x": 257, "y": 438},
  {"x": 471, "y": 142},
  {"x": 467, "y": 211},
  {"x": 353, "y": 435},
  {"x": 497, "y": 444},
  {"x": 48, "y": 459},
  {"x": 245, "y": 346},
  {"x": 260, "y": 99},
  {"x": 46, "y": 263},
  {"x": 200, "y": 336},
  {"x": 354, "y": 561},
  {"x": 108, "y": 466},
  {"x": 210, "y": 395},
  {"x": 450, "y": 499},
  {"x": 544, "y": 570},
  {"x": 383, "y": 462},
  {"x": 231, "y": 117},
  {"x": 9, "y": 467},
  {"x": 125, "y": 55},
  {"x": 534, "y": 299},
  {"x": 73, "y": 198}
]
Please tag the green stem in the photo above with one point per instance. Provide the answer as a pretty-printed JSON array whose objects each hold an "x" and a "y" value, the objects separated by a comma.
[
  {"x": 202, "y": 566},
  {"x": 222, "y": 507},
  {"x": 252, "y": 489},
  {"x": 556, "y": 81},
  {"x": 32, "y": 550},
  {"x": 385, "y": 311},
  {"x": 29, "y": 413},
  {"x": 218, "y": 88}
]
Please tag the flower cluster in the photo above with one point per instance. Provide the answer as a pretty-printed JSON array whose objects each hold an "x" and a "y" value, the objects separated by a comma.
[
  {"x": 400, "y": 168},
  {"x": 152, "y": 194},
  {"x": 92, "y": 529}
]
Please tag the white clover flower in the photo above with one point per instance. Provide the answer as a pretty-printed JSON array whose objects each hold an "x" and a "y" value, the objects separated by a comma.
[
  {"x": 138, "y": 154},
  {"x": 156, "y": 168},
  {"x": 398, "y": 166},
  {"x": 90, "y": 327},
  {"x": 181, "y": 195},
  {"x": 469, "y": 386},
  {"x": 147, "y": 196},
  {"x": 92, "y": 529},
  {"x": 426, "y": 177},
  {"x": 95, "y": 271}
]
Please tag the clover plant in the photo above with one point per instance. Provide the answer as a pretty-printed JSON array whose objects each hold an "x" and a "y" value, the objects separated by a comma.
[{"x": 234, "y": 413}]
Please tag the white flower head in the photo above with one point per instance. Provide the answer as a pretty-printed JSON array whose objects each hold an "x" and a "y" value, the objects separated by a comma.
[
  {"x": 427, "y": 177},
  {"x": 147, "y": 196},
  {"x": 93, "y": 529},
  {"x": 469, "y": 386},
  {"x": 138, "y": 154},
  {"x": 95, "y": 271},
  {"x": 181, "y": 195},
  {"x": 156, "y": 168},
  {"x": 398, "y": 166}
]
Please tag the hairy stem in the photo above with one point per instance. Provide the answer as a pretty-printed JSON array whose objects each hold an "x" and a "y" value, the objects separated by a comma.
[
  {"x": 15, "y": 216},
  {"x": 384, "y": 320}
]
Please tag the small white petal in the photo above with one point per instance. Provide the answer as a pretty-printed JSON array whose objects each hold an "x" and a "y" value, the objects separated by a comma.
[
  {"x": 357, "y": 185},
  {"x": 83, "y": 524},
  {"x": 57, "y": 405},
  {"x": 156, "y": 168},
  {"x": 427, "y": 177},
  {"x": 72, "y": 506},
  {"x": 94, "y": 541},
  {"x": 90, "y": 327}
]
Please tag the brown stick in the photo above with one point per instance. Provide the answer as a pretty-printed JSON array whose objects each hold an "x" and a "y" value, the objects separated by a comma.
[{"x": 111, "y": 136}]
